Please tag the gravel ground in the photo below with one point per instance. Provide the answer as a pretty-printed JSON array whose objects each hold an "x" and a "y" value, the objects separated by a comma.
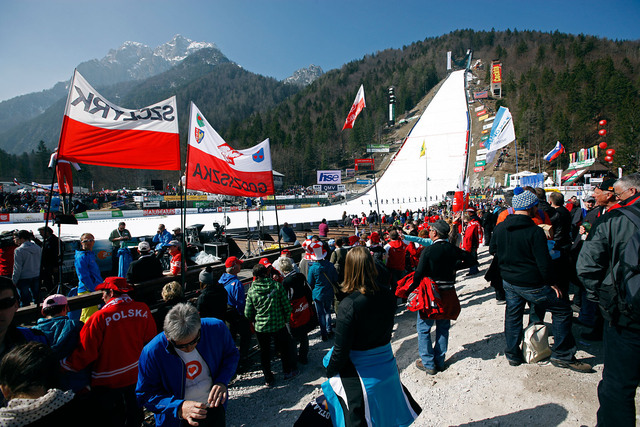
[{"x": 478, "y": 387}]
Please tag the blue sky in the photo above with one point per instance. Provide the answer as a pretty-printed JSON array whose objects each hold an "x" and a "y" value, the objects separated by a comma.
[{"x": 41, "y": 41}]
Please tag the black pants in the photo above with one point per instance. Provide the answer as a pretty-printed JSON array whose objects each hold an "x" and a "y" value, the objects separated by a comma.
[
  {"x": 239, "y": 325},
  {"x": 620, "y": 378},
  {"x": 283, "y": 344},
  {"x": 117, "y": 406}
]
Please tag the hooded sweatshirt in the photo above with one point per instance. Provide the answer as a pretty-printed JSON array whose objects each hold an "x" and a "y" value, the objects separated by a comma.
[
  {"x": 26, "y": 261},
  {"x": 235, "y": 291},
  {"x": 523, "y": 255},
  {"x": 267, "y": 305}
]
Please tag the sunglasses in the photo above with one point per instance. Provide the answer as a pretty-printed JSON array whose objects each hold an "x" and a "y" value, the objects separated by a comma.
[
  {"x": 7, "y": 302},
  {"x": 181, "y": 346},
  {"x": 88, "y": 240}
]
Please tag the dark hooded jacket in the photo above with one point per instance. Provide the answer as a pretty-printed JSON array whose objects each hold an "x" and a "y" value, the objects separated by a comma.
[{"x": 523, "y": 255}]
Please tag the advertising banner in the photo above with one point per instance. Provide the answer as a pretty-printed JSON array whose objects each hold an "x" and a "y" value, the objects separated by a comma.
[
  {"x": 496, "y": 73},
  {"x": 481, "y": 163},
  {"x": 151, "y": 205},
  {"x": 158, "y": 212},
  {"x": 483, "y": 118},
  {"x": 380, "y": 148},
  {"x": 481, "y": 113},
  {"x": 478, "y": 169},
  {"x": 329, "y": 177},
  {"x": 364, "y": 164},
  {"x": 350, "y": 173},
  {"x": 480, "y": 107},
  {"x": 481, "y": 95}
]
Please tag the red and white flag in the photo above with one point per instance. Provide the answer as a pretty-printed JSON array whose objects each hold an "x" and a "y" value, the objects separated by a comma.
[
  {"x": 215, "y": 167},
  {"x": 98, "y": 132},
  {"x": 357, "y": 106}
]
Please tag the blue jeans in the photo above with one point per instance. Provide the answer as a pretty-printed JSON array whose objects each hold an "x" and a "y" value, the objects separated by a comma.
[
  {"x": 324, "y": 316},
  {"x": 432, "y": 356},
  {"x": 620, "y": 377},
  {"x": 28, "y": 289},
  {"x": 545, "y": 298}
]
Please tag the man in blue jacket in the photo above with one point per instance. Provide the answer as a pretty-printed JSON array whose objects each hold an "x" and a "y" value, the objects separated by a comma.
[
  {"x": 183, "y": 372},
  {"x": 236, "y": 321}
]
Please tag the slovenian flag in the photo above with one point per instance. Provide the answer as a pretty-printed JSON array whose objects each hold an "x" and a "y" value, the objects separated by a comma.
[
  {"x": 98, "y": 132},
  {"x": 213, "y": 166},
  {"x": 358, "y": 105},
  {"x": 553, "y": 154}
]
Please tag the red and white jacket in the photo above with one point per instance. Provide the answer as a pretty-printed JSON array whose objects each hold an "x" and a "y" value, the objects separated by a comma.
[
  {"x": 472, "y": 236},
  {"x": 112, "y": 339}
]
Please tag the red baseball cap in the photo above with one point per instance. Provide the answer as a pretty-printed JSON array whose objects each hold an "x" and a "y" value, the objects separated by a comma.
[
  {"x": 118, "y": 284},
  {"x": 265, "y": 262},
  {"x": 232, "y": 261}
]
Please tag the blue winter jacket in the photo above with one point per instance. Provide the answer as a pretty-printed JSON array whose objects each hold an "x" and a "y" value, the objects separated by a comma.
[
  {"x": 162, "y": 239},
  {"x": 161, "y": 372},
  {"x": 87, "y": 270},
  {"x": 320, "y": 276},
  {"x": 235, "y": 291},
  {"x": 62, "y": 333}
]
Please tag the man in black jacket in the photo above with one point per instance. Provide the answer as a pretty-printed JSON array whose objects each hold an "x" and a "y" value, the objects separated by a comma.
[
  {"x": 146, "y": 267},
  {"x": 439, "y": 262},
  {"x": 561, "y": 223},
  {"x": 525, "y": 267},
  {"x": 599, "y": 270}
]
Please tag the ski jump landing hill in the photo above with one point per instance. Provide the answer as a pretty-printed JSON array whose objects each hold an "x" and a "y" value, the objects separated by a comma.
[{"x": 442, "y": 128}]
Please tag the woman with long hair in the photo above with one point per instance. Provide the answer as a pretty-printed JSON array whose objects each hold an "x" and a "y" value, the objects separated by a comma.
[{"x": 362, "y": 354}]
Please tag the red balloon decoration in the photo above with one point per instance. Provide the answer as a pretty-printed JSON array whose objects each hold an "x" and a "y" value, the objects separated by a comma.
[
  {"x": 602, "y": 132},
  {"x": 608, "y": 159},
  {"x": 602, "y": 145},
  {"x": 610, "y": 152},
  {"x": 602, "y": 122}
]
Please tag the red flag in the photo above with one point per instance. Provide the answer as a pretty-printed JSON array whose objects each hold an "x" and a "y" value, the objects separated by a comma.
[
  {"x": 357, "y": 106},
  {"x": 97, "y": 132},
  {"x": 215, "y": 167}
]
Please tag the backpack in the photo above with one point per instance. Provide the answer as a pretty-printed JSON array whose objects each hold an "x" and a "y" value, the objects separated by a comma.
[
  {"x": 628, "y": 273},
  {"x": 301, "y": 312}
]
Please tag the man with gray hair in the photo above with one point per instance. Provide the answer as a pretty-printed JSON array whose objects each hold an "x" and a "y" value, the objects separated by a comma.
[
  {"x": 184, "y": 372},
  {"x": 601, "y": 268}
]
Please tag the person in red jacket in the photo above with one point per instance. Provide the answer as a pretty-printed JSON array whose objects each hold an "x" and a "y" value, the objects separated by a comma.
[
  {"x": 396, "y": 255},
  {"x": 471, "y": 239},
  {"x": 111, "y": 342}
]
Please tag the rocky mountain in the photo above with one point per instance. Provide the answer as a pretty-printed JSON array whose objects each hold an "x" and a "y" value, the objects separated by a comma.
[
  {"x": 305, "y": 76},
  {"x": 130, "y": 62}
]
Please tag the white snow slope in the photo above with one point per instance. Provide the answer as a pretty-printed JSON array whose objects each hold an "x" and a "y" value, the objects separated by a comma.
[{"x": 442, "y": 127}]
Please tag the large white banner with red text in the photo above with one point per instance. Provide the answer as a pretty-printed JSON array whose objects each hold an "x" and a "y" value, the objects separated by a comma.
[{"x": 98, "y": 132}]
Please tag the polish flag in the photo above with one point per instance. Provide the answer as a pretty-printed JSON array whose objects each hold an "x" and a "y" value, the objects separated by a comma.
[
  {"x": 213, "y": 166},
  {"x": 98, "y": 132},
  {"x": 357, "y": 106}
]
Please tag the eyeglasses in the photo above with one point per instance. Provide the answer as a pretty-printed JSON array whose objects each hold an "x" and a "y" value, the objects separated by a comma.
[
  {"x": 619, "y": 195},
  {"x": 88, "y": 240},
  {"x": 194, "y": 342},
  {"x": 7, "y": 302}
]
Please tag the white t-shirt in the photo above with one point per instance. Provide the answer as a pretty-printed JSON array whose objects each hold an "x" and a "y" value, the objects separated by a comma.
[{"x": 198, "y": 382}]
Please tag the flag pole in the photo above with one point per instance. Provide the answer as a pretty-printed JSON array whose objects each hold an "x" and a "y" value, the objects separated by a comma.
[
  {"x": 277, "y": 222},
  {"x": 426, "y": 179},
  {"x": 183, "y": 212}
]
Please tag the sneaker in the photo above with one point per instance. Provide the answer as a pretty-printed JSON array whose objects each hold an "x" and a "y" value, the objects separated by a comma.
[
  {"x": 574, "y": 364},
  {"x": 501, "y": 301}
]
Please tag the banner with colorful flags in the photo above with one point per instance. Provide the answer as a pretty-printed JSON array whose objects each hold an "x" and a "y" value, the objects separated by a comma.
[
  {"x": 502, "y": 133},
  {"x": 215, "y": 167},
  {"x": 98, "y": 132},
  {"x": 358, "y": 105},
  {"x": 555, "y": 152}
]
